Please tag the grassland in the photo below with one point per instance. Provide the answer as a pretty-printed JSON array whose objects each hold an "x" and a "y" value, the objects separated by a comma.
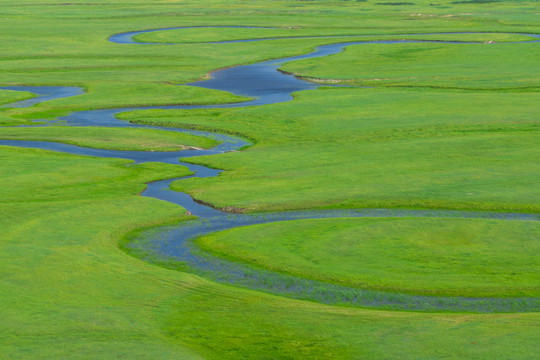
[
  {"x": 104, "y": 96},
  {"x": 377, "y": 147},
  {"x": 68, "y": 291},
  {"x": 512, "y": 66},
  {"x": 109, "y": 138},
  {"x": 39, "y": 176},
  {"x": 8, "y": 96},
  {"x": 202, "y": 35},
  {"x": 460, "y": 257}
]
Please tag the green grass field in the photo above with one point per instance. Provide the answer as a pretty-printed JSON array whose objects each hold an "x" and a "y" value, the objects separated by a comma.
[
  {"x": 110, "y": 138},
  {"x": 460, "y": 257},
  {"x": 8, "y": 96},
  {"x": 453, "y": 126},
  {"x": 202, "y": 35},
  {"x": 377, "y": 147},
  {"x": 473, "y": 66},
  {"x": 69, "y": 291}
]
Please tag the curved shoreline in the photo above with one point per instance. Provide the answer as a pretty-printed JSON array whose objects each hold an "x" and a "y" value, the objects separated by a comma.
[{"x": 175, "y": 242}]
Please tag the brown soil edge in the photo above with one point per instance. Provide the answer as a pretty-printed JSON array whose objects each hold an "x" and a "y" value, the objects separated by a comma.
[
  {"x": 235, "y": 210},
  {"x": 316, "y": 80},
  {"x": 350, "y": 83},
  {"x": 227, "y": 209}
]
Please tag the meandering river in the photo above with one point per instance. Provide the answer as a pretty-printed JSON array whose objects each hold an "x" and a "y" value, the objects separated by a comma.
[{"x": 266, "y": 85}]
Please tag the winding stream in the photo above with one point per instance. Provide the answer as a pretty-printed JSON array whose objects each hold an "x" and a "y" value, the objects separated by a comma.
[{"x": 266, "y": 85}]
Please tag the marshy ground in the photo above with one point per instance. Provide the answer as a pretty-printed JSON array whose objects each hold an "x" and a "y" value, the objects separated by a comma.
[{"x": 453, "y": 133}]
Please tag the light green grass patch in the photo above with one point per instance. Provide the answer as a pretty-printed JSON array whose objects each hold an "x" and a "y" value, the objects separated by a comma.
[
  {"x": 109, "y": 138},
  {"x": 458, "y": 257}
]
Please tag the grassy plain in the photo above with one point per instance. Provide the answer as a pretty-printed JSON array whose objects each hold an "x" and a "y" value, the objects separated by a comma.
[
  {"x": 68, "y": 291},
  {"x": 74, "y": 51},
  {"x": 202, "y": 34},
  {"x": 472, "y": 66},
  {"x": 26, "y": 179},
  {"x": 377, "y": 147},
  {"x": 461, "y": 257}
]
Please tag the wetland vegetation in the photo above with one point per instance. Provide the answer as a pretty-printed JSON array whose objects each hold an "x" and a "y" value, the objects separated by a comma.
[{"x": 447, "y": 126}]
